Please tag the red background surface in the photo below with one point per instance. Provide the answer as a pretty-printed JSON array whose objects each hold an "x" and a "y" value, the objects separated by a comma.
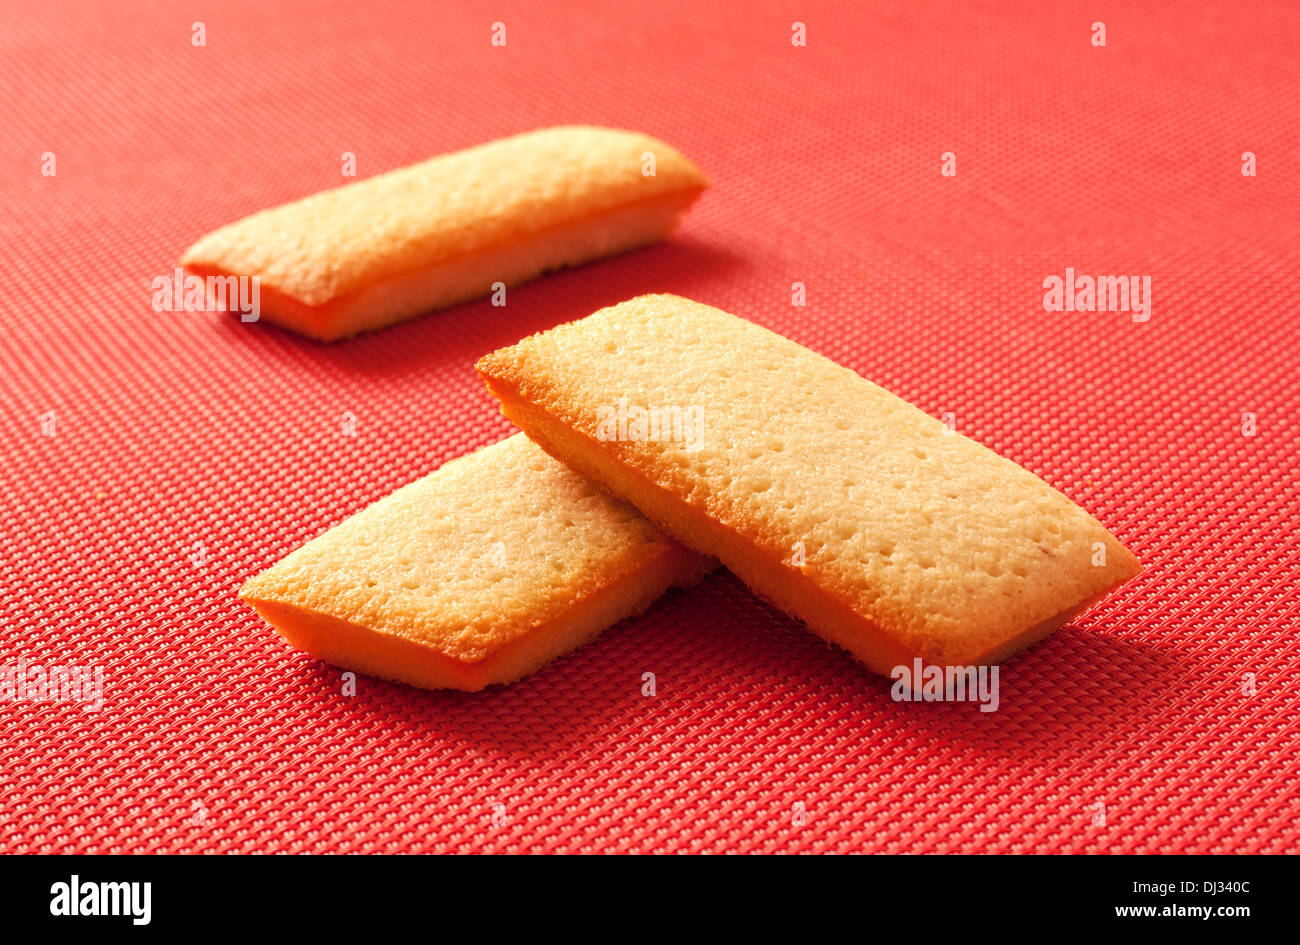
[{"x": 177, "y": 429}]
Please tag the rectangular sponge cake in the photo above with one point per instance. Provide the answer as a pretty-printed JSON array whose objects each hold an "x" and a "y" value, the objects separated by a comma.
[
  {"x": 380, "y": 250},
  {"x": 843, "y": 504},
  {"x": 480, "y": 573}
]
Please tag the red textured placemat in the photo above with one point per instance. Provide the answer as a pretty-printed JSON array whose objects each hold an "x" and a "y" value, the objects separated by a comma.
[{"x": 189, "y": 451}]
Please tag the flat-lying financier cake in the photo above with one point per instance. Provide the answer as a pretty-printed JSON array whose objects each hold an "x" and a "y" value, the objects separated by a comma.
[
  {"x": 846, "y": 506},
  {"x": 480, "y": 573},
  {"x": 384, "y": 249}
]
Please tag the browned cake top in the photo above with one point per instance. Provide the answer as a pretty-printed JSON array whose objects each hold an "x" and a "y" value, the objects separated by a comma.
[
  {"x": 343, "y": 240},
  {"x": 471, "y": 557},
  {"x": 928, "y": 535}
]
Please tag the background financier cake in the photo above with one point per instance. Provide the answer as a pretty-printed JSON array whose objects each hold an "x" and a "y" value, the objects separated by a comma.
[{"x": 400, "y": 244}]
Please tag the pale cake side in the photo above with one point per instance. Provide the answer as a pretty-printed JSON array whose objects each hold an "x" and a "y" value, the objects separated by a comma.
[
  {"x": 839, "y": 501},
  {"x": 375, "y": 251},
  {"x": 479, "y": 573}
]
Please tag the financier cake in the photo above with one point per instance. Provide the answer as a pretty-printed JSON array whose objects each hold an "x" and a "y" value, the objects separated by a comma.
[
  {"x": 846, "y": 506},
  {"x": 479, "y": 573},
  {"x": 384, "y": 249}
]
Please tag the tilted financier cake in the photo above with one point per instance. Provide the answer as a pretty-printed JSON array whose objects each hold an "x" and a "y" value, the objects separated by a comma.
[
  {"x": 479, "y": 573},
  {"x": 384, "y": 249},
  {"x": 846, "y": 506}
]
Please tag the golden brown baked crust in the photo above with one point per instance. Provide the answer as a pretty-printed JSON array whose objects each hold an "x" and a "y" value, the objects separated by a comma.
[
  {"x": 834, "y": 498},
  {"x": 479, "y": 573},
  {"x": 382, "y": 249}
]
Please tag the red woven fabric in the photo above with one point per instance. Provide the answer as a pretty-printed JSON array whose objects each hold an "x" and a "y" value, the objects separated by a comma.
[{"x": 174, "y": 431}]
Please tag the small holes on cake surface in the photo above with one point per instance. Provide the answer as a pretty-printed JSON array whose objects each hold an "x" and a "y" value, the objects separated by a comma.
[{"x": 858, "y": 584}]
